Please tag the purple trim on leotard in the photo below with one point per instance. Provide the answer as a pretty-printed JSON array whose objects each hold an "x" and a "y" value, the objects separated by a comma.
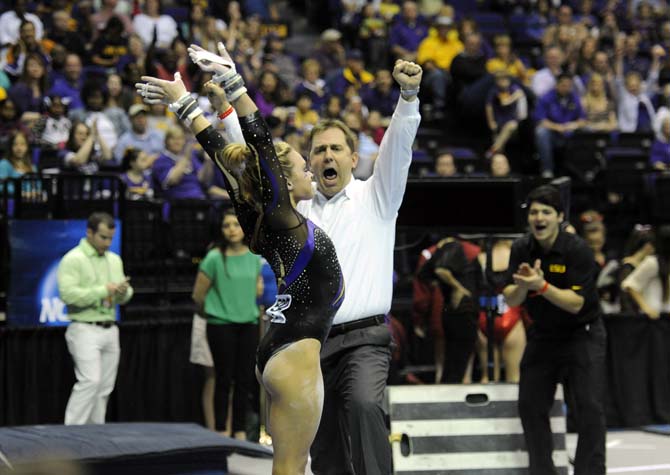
[
  {"x": 339, "y": 296},
  {"x": 303, "y": 258},
  {"x": 273, "y": 183}
]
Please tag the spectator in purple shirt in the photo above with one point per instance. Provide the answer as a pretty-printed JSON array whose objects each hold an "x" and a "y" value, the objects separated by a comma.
[
  {"x": 383, "y": 95},
  {"x": 176, "y": 172},
  {"x": 71, "y": 83},
  {"x": 407, "y": 32},
  {"x": 558, "y": 114},
  {"x": 271, "y": 93},
  {"x": 29, "y": 91}
]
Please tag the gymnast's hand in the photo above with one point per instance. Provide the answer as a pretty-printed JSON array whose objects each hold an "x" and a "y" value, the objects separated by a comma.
[
  {"x": 216, "y": 96},
  {"x": 407, "y": 74},
  {"x": 210, "y": 62},
  {"x": 157, "y": 91}
]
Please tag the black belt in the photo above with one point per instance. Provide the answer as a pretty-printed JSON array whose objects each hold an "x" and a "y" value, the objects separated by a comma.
[
  {"x": 105, "y": 324},
  {"x": 356, "y": 324}
]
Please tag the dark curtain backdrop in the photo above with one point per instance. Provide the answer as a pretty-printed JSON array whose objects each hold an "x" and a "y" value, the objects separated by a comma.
[{"x": 156, "y": 382}]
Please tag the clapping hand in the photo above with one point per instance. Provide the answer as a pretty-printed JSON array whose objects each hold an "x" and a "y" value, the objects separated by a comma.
[
  {"x": 157, "y": 91},
  {"x": 210, "y": 62},
  {"x": 122, "y": 288},
  {"x": 531, "y": 278}
]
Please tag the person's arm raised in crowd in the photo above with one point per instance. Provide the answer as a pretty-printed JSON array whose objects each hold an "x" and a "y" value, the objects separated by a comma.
[
  {"x": 391, "y": 168},
  {"x": 105, "y": 151},
  {"x": 83, "y": 155}
]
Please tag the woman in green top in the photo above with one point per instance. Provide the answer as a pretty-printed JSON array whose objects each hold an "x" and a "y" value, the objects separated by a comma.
[{"x": 228, "y": 282}]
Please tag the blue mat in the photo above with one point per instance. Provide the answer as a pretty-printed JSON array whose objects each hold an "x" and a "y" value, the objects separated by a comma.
[
  {"x": 130, "y": 449},
  {"x": 663, "y": 429}
]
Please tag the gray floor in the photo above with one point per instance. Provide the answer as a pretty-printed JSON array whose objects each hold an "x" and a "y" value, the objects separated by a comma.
[{"x": 630, "y": 452}]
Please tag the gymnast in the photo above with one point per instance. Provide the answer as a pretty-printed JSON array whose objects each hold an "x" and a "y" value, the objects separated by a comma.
[{"x": 265, "y": 182}]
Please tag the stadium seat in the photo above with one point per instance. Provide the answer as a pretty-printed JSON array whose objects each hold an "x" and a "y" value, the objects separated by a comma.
[
  {"x": 641, "y": 140},
  {"x": 585, "y": 155},
  {"x": 660, "y": 197},
  {"x": 490, "y": 23}
]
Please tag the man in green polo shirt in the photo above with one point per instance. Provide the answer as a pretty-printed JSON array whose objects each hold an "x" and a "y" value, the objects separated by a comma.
[{"x": 91, "y": 282}]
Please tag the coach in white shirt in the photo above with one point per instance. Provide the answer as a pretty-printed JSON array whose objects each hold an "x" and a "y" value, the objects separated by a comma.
[{"x": 359, "y": 216}]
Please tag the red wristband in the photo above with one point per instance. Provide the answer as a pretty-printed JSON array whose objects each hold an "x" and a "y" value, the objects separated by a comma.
[
  {"x": 544, "y": 288},
  {"x": 226, "y": 113}
]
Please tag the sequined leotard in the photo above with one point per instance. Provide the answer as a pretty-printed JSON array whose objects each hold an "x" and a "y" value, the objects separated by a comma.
[{"x": 302, "y": 256}]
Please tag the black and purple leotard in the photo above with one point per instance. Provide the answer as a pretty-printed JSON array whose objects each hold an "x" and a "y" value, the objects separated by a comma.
[{"x": 309, "y": 278}]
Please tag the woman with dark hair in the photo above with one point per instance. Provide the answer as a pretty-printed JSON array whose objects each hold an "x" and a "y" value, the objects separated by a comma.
[
  {"x": 135, "y": 174},
  {"x": 95, "y": 96},
  {"x": 29, "y": 91},
  {"x": 640, "y": 244},
  {"x": 10, "y": 122},
  {"x": 17, "y": 161},
  {"x": 264, "y": 184},
  {"x": 225, "y": 291},
  {"x": 86, "y": 149},
  {"x": 270, "y": 92},
  {"x": 449, "y": 269},
  {"x": 649, "y": 284}
]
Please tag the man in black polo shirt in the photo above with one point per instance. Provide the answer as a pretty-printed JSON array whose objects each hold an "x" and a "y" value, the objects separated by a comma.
[{"x": 551, "y": 273}]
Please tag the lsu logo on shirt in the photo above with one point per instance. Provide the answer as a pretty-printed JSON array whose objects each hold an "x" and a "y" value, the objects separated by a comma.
[{"x": 557, "y": 268}]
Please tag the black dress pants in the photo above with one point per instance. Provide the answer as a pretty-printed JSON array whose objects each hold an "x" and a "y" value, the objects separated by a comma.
[
  {"x": 233, "y": 348},
  {"x": 353, "y": 437},
  {"x": 580, "y": 361}
]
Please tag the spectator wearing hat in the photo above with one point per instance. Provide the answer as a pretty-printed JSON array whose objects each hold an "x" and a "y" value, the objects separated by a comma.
[
  {"x": 139, "y": 136},
  {"x": 439, "y": 49},
  {"x": 330, "y": 53},
  {"x": 435, "y": 54},
  {"x": 407, "y": 32},
  {"x": 353, "y": 74}
]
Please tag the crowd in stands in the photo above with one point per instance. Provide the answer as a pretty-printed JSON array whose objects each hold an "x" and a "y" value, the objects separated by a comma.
[{"x": 525, "y": 71}]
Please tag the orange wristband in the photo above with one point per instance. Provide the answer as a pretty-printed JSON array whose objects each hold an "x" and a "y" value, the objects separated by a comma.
[
  {"x": 544, "y": 288},
  {"x": 226, "y": 113}
]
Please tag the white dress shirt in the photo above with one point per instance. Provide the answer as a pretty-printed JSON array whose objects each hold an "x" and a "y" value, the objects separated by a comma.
[
  {"x": 360, "y": 220},
  {"x": 166, "y": 29},
  {"x": 646, "y": 281},
  {"x": 10, "y": 24}
]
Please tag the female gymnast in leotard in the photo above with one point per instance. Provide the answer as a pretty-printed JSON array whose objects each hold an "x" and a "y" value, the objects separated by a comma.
[{"x": 264, "y": 183}]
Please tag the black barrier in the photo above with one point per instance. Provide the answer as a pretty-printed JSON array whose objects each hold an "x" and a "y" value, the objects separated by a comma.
[{"x": 156, "y": 382}]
